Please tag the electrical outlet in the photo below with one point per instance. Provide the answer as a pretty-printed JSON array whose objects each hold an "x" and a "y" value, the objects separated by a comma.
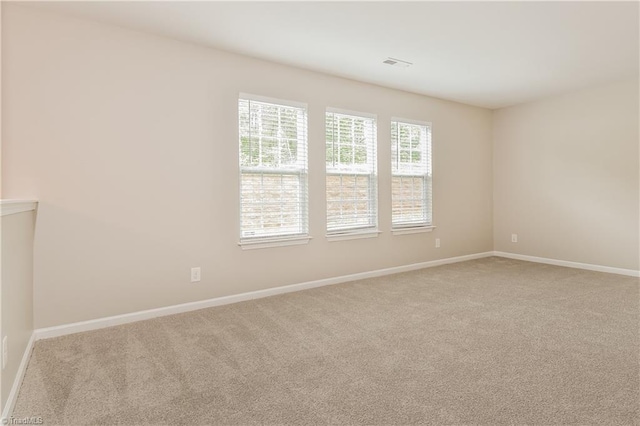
[
  {"x": 514, "y": 238},
  {"x": 5, "y": 351},
  {"x": 195, "y": 275},
  {"x": 437, "y": 242}
]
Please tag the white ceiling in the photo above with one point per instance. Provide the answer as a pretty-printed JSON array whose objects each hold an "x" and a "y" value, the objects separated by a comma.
[{"x": 490, "y": 54}]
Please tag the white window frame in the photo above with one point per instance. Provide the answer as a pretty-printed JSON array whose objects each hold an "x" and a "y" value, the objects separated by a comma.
[
  {"x": 410, "y": 227},
  {"x": 302, "y": 171},
  {"x": 367, "y": 231}
]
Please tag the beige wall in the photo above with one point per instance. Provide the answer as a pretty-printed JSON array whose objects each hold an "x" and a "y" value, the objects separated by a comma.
[
  {"x": 566, "y": 177},
  {"x": 129, "y": 142},
  {"x": 16, "y": 292}
]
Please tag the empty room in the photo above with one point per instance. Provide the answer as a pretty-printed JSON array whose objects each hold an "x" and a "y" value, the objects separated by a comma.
[{"x": 309, "y": 213}]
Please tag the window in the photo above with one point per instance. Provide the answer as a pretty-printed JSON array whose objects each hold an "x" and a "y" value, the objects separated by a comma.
[
  {"x": 273, "y": 169},
  {"x": 411, "y": 174},
  {"x": 351, "y": 172}
]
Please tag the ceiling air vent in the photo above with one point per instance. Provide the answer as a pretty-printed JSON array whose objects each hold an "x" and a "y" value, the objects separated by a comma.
[{"x": 397, "y": 63}]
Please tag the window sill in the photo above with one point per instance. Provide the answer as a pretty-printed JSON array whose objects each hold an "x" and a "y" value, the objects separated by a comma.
[
  {"x": 273, "y": 242},
  {"x": 412, "y": 230},
  {"x": 353, "y": 235}
]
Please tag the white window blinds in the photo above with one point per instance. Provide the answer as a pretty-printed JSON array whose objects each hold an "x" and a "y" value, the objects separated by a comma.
[
  {"x": 351, "y": 179},
  {"x": 273, "y": 169},
  {"x": 411, "y": 173}
]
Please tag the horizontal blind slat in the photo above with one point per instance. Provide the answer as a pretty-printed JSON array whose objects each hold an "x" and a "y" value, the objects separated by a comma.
[
  {"x": 351, "y": 180},
  {"x": 411, "y": 173},
  {"x": 273, "y": 168}
]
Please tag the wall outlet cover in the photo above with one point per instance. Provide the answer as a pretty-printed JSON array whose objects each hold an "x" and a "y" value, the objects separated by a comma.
[
  {"x": 195, "y": 274},
  {"x": 5, "y": 351}
]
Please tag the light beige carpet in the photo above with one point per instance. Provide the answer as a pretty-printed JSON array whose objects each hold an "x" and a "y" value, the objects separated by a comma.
[{"x": 491, "y": 341}]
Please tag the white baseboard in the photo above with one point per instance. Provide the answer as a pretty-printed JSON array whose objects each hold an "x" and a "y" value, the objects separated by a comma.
[
  {"x": 61, "y": 330},
  {"x": 568, "y": 264},
  {"x": 78, "y": 327},
  {"x": 13, "y": 393}
]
